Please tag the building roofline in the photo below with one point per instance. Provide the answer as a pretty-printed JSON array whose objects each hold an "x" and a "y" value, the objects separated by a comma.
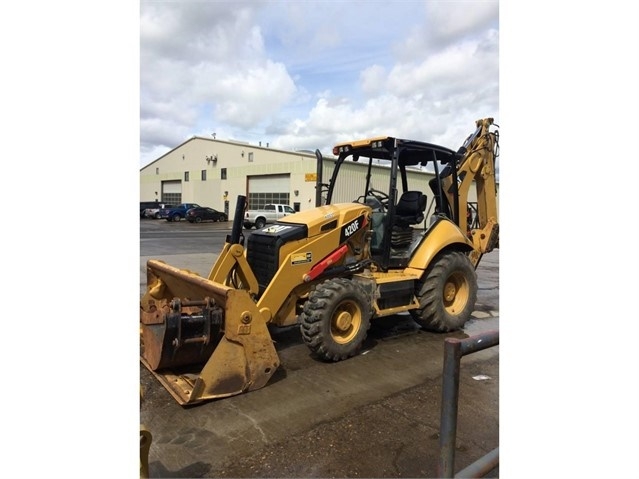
[
  {"x": 246, "y": 144},
  {"x": 231, "y": 142},
  {"x": 168, "y": 152}
]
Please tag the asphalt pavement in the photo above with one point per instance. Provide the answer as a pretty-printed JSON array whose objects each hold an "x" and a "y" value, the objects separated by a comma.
[{"x": 374, "y": 415}]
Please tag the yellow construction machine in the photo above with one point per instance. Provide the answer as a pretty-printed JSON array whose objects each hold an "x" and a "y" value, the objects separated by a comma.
[{"x": 331, "y": 269}]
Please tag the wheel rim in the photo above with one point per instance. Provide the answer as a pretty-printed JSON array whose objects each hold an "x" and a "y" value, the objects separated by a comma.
[
  {"x": 456, "y": 293},
  {"x": 346, "y": 322},
  {"x": 198, "y": 219}
]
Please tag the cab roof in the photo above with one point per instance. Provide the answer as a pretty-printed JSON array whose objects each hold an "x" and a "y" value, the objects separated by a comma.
[{"x": 411, "y": 152}]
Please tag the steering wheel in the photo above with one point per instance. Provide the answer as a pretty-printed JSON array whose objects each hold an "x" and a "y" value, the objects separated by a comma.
[
  {"x": 376, "y": 199},
  {"x": 379, "y": 196}
]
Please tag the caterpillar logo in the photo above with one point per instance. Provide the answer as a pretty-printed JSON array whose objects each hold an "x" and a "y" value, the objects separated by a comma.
[
  {"x": 275, "y": 229},
  {"x": 351, "y": 228}
]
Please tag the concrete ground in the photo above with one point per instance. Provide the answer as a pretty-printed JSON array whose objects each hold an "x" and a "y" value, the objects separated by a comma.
[{"x": 374, "y": 415}]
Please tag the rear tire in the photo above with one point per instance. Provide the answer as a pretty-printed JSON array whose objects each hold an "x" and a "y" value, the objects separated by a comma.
[
  {"x": 176, "y": 218},
  {"x": 447, "y": 294},
  {"x": 260, "y": 223},
  {"x": 335, "y": 319}
]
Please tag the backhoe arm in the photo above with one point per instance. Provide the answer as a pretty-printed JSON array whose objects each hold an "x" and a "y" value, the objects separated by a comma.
[{"x": 477, "y": 166}]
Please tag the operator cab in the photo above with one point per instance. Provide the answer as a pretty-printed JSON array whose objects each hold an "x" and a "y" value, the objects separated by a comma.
[{"x": 398, "y": 208}]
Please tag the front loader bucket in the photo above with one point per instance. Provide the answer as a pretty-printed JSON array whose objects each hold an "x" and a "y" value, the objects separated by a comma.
[{"x": 201, "y": 339}]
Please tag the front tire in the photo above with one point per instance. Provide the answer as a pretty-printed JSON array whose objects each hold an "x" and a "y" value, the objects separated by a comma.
[
  {"x": 198, "y": 219},
  {"x": 335, "y": 319},
  {"x": 176, "y": 218},
  {"x": 447, "y": 294}
]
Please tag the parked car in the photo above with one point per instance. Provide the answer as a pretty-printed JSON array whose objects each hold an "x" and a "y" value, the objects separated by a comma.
[
  {"x": 144, "y": 205},
  {"x": 204, "y": 213},
  {"x": 154, "y": 212},
  {"x": 176, "y": 213}
]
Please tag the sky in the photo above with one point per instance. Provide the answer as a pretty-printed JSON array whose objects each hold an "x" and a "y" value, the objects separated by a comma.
[{"x": 307, "y": 75}]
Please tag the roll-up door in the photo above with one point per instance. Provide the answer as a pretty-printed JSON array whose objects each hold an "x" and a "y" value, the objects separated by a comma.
[
  {"x": 172, "y": 192},
  {"x": 266, "y": 189}
]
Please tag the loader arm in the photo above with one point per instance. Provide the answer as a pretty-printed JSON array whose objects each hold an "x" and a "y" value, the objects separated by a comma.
[
  {"x": 476, "y": 166},
  {"x": 232, "y": 266}
]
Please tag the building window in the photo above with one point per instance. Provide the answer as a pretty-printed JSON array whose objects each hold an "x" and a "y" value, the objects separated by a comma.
[
  {"x": 223, "y": 173},
  {"x": 157, "y": 170},
  {"x": 259, "y": 200},
  {"x": 172, "y": 198},
  {"x": 250, "y": 157},
  {"x": 203, "y": 175},
  {"x": 186, "y": 176}
]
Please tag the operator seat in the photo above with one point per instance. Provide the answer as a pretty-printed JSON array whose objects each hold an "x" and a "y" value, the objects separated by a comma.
[
  {"x": 409, "y": 211},
  {"x": 410, "y": 208}
]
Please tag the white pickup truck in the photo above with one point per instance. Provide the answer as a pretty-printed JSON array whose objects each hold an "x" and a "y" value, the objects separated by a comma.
[{"x": 269, "y": 214}]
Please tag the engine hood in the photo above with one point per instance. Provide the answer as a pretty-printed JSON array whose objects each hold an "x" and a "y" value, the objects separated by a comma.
[{"x": 329, "y": 217}]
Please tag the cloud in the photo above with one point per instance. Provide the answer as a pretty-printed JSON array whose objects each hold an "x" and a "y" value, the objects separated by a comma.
[
  {"x": 461, "y": 67},
  {"x": 194, "y": 32},
  {"x": 300, "y": 76},
  {"x": 454, "y": 20},
  {"x": 446, "y": 23},
  {"x": 434, "y": 98},
  {"x": 373, "y": 80},
  {"x": 205, "y": 58},
  {"x": 245, "y": 98}
]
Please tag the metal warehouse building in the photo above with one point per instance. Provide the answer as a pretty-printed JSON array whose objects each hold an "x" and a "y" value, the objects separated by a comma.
[{"x": 212, "y": 172}]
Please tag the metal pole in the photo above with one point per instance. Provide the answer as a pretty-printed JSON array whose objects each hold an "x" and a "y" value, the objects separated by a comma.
[
  {"x": 481, "y": 466},
  {"x": 319, "y": 178},
  {"x": 450, "y": 396},
  {"x": 477, "y": 343}
]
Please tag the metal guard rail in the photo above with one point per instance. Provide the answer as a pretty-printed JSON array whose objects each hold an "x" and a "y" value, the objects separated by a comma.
[{"x": 454, "y": 349}]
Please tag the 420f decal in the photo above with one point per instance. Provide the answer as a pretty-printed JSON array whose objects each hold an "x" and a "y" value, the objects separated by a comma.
[{"x": 351, "y": 228}]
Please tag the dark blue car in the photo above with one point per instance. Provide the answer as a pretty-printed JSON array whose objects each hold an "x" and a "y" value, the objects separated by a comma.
[{"x": 176, "y": 213}]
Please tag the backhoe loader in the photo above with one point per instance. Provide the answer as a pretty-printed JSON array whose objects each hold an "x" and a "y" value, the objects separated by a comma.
[{"x": 331, "y": 269}]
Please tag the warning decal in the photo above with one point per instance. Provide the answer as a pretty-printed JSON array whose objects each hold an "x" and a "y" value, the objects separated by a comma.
[{"x": 301, "y": 258}]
